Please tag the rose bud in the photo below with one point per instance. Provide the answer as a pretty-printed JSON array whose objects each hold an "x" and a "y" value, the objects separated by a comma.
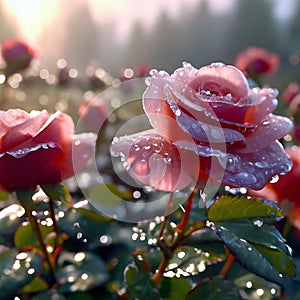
[
  {"x": 255, "y": 61},
  {"x": 17, "y": 55}
]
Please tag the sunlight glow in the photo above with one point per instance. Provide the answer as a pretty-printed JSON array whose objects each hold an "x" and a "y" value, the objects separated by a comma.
[{"x": 31, "y": 15}]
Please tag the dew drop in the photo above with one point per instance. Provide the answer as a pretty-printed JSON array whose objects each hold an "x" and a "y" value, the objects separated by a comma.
[
  {"x": 274, "y": 179},
  {"x": 217, "y": 64},
  {"x": 178, "y": 112},
  {"x": 258, "y": 223},
  {"x": 153, "y": 72},
  {"x": 168, "y": 160}
]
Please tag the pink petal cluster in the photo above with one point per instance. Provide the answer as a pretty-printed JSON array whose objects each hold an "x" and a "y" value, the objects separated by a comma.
[
  {"x": 207, "y": 124},
  {"x": 38, "y": 148}
]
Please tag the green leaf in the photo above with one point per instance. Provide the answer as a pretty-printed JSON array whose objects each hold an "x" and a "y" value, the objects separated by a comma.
[
  {"x": 36, "y": 285},
  {"x": 108, "y": 194},
  {"x": 139, "y": 284},
  {"x": 85, "y": 226},
  {"x": 282, "y": 262},
  {"x": 228, "y": 208},
  {"x": 57, "y": 191},
  {"x": 26, "y": 236},
  {"x": 249, "y": 256},
  {"x": 17, "y": 270},
  {"x": 80, "y": 271},
  {"x": 250, "y": 283},
  {"x": 10, "y": 219},
  {"x": 188, "y": 261},
  {"x": 3, "y": 195},
  {"x": 174, "y": 288},
  {"x": 257, "y": 232},
  {"x": 216, "y": 288}
]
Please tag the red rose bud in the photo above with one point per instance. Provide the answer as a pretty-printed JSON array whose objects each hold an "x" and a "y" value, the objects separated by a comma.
[
  {"x": 17, "y": 55},
  {"x": 39, "y": 148},
  {"x": 255, "y": 61},
  {"x": 207, "y": 124}
]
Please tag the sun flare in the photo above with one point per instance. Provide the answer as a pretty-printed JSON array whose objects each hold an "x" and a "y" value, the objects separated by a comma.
[{"x": 30, "y": 14}]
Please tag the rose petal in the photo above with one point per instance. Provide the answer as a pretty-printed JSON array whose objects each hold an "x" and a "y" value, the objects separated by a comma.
[
  {"x": 274, "y": 127},
  {"x": 184, "y": 75},
  {"x": 254, "y": 170},
  {"x": 27, "y": 170},
  {"x": 21, "y": 130},
  {"x": 152, "y": 160},
  {"x": 263, "y": 101},
  {"x": 220, "y": 79},
  {"x": 202, "y": 131}
]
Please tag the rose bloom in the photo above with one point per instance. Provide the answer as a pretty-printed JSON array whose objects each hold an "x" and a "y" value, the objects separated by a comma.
[
  {"x": 207, "y": 124},
  {"x": 257, "y": 61},
  {"x": 286, "y": 190},
  {"x": 92, "y": 115},
  {"x": 17, "y": 55},
  {"x": 38, "y": 148}
]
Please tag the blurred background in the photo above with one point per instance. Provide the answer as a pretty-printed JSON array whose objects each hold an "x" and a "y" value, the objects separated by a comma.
[{"x": 161, "y": 34}]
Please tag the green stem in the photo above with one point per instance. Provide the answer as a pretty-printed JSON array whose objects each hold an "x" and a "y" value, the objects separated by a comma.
[{"x": 25, "y": 198}]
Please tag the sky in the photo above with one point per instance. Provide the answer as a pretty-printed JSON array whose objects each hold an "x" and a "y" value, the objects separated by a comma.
[{"x": 31, "y": 15}]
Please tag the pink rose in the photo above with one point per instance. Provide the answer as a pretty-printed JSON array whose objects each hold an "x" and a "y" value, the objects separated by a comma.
[
  {"x": 204, "y": 119},
  {"x": 37, "y": 148},
  {"x": 257, "y": 61},
  {"x": 17, "y": 55}
]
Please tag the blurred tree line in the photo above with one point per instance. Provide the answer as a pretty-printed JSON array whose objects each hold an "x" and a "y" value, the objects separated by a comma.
[{"x": 199, "y": 36}]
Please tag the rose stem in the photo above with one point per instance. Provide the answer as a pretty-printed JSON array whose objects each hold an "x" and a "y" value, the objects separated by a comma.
[
  {"x": 188, "y": 208},
  {"x": 25, "y": 198},
  {"x": 167, "y": 212},
  {"x": 228, "y": 264},
  {"x": 165, "y": 259},
  {"x": 52, "y": 214},
  {"x": 167, "y": 251}
]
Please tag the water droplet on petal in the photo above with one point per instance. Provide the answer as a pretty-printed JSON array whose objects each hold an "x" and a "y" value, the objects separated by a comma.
[
  {"x": 178, "y": 112},
  {"x": 274, "y": 179},
  {"x": 153, "y": 72},
  {"x": 168, "y": 160},
  {"x": 217, "y": 64}
]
